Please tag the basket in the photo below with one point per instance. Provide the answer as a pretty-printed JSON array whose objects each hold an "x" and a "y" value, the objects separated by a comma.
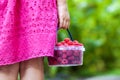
[{"x": 67, "y": 54}]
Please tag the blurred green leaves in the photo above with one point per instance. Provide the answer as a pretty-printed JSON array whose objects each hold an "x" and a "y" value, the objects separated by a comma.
[{"x": 96, "y": 24}]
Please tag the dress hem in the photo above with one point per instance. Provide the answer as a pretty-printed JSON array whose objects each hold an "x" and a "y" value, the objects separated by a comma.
[{"x": 38, "y": 56}]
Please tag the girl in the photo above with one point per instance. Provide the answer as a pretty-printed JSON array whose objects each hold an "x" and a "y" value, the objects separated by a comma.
[{"x": 27, "y": 34}]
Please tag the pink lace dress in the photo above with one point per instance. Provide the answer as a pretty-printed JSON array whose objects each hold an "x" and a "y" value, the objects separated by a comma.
[{"x": 27, "y": 29}]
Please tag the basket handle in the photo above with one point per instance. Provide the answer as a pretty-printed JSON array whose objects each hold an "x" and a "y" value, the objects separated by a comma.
[{"x": 69, "y": 33}]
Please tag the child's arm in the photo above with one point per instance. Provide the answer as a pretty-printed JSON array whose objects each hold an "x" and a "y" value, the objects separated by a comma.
[{"x": 64, "y": 18}]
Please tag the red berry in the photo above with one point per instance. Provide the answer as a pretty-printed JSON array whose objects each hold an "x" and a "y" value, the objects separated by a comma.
[
  {"x": 80, "y": 44},
  {"x": 64, "y": 56},
  {"x": 71, "y": 58},
  {"x": 74, "y": 62},
  {"x": 77, "y": 58},
  {"x": 75, "y": 41},
  {"x": 58, "y": 44},
  {"x": 59, "y": 52},
  {"x": 55, "y": 62},
  {"x": 62, "y": 42},
  {"x": 78, "y": 62},
  {"x": 64, "y": 61},
  {"x": 64, "y": 51},
  {"x": 65, "y": 44},
  {"x": 69, "y": 52},
  {"x": 51, "y": 60},
  {"x": 67, "y": 40},
  {"x": 59, "y": 59},
  {"x": 70, "y": 43},
  {"x": 56, "y": 54},
  {"x": 76, "y": 54}
]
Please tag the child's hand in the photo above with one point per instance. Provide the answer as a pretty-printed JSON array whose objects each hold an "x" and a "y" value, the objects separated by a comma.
[{"x": 63, "y": 14}]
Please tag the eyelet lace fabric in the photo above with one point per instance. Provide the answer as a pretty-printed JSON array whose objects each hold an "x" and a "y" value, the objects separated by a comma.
[{"x": 27, "y": 29}]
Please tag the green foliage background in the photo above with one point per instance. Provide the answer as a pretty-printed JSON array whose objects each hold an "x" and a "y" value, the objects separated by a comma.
[{"x": 96, "y": 24}]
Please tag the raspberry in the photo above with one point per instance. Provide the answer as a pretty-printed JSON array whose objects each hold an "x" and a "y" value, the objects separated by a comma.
[
  {"x": 64, "y": 56},
  {"x": 59, "y": 52},
  {"x": 77, "y": 58},
  {"x": 59, "y": 44},
  {"x": 74, "y": 62},
  {"x": 70, "y": 43},
  {"x": 51, "y": 60},
  {"x": 55, "y": 62},
  {"x": 76, "y": 53},
  {"x": 75, "y": 41},
  {"x": 65, "y": 44},
  {"x": 62, "y": 42},
  {"x": 64, "y": 51},
  {"x": 78, "y": 62},
  {"x": 80, "y": 44},
  {"x": 64, "y": 61},
  {"x": 67, "y": 40},
  {"x": 56, "y": 54},
  {"x": 71, "y": 58},
  {"x": 69, "y": 52},
  {"x": 59, "y": 59}
]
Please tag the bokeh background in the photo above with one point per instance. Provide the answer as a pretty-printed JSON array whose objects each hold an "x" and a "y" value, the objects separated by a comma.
[{"x": 96, "y": 24}]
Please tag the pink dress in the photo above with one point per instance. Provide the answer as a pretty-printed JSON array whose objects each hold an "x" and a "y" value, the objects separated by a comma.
[{"x": 27, "y": 29}]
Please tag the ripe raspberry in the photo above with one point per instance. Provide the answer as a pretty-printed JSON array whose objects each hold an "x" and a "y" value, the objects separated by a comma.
[
  {"x": 80, "y": 44},
  {"x": 71, "y": 58},
  {"x": 59, "y": 52},
  {"x": 74, "y": 62},
  {"x": 62, "y": 42},
  {"x": 59, "y": 59},
  {"x": 69, "y": 52},
  {"x": 76, "y": 53},
  {"x": 67, "y": 40},
  {"x": 64, "y": 56},
  {"x": 64, "y": 61},
  {"x": 51, "y": 60},
  {"x": 70, "y": 43},
  {"x": 55, "y": 62},
  {"x": 59, "y": 44},
  {"x": 56, "y": 53},
  {"x": 66, "y": 44},
  {"x": 75, "y": 41},
  {"x": 78, "y": 62},
  {"x": 64, "y": 51}
]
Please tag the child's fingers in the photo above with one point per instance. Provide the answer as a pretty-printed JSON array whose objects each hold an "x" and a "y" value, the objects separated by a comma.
[
  {"x": 64, "y": 24},
  {"x": 59, "y": 23},
  {"x": 68, "y": 23},
  {"x": 61, "y": 26}
]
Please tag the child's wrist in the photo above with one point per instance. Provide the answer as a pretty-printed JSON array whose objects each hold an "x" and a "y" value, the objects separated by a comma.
[{"x": 61, "y": 2}]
